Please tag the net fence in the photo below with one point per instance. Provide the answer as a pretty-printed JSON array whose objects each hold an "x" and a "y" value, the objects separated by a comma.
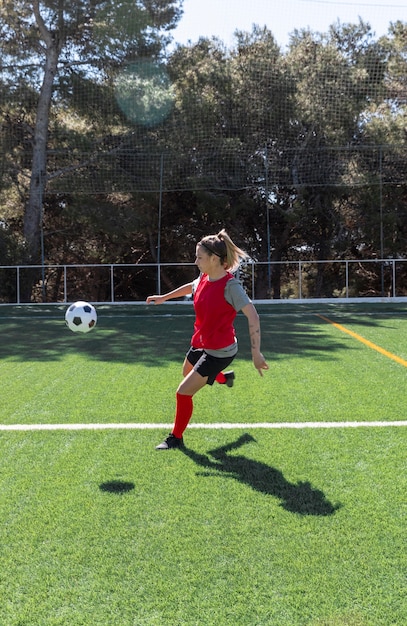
[
  {"x": 129, "y": 171},
  {"x": 297, "y": 147},
  {"x": 328, "y": 109}
]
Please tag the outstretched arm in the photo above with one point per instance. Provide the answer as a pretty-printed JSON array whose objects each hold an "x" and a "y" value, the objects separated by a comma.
[
  {"x": 184, "y": 290},
  {"x": 259, "y": 361}
]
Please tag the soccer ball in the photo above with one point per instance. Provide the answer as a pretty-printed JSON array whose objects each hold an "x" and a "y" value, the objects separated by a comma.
[{"x": 81, "y": 317}]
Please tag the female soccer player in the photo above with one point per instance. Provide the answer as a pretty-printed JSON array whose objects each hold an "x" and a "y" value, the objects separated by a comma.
[{"x": 217, "y": 297}]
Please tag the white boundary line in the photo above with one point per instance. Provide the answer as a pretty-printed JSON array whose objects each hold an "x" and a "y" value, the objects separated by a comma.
[{"x": 214, "y": 426}]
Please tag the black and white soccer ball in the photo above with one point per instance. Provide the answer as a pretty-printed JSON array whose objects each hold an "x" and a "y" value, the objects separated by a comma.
[{"x": 81, "y": 317}]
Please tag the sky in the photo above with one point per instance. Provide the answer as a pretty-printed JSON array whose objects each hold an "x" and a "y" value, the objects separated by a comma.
[{"x": 222, "y": 17}]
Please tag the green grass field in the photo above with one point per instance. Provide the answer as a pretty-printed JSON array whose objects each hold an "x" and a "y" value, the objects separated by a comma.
[{"x": 245, "y": 526}]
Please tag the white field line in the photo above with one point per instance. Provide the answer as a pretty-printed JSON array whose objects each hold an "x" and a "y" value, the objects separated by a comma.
[{"x": 214, "y": 426}]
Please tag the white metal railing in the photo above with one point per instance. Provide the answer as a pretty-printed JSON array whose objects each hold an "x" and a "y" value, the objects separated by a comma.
[{"x": 354, "y": 278}]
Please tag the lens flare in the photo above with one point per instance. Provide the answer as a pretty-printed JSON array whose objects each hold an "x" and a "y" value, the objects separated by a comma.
[{"x": 144, "y": 92}]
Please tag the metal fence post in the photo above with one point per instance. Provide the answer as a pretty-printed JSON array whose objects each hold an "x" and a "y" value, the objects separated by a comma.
[
  {"x": 347, "y": 278},
  {"x": 18, "y": 285},
  {"x": 112, "y": 283},
  {"x": 65, "y": 287}
]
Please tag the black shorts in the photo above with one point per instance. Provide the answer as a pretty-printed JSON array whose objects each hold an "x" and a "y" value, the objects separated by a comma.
[{"x": 207, "y": 365}]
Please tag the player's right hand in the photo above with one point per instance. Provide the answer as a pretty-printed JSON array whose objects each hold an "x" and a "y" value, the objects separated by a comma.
[{"x": 154, "y": 299}]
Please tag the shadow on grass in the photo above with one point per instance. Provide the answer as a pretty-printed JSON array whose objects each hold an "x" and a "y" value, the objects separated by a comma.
[
  {"x": 299, "y": 498},
  {"x": 158, "y": 334},
  {"x": 117, "y": 486}
]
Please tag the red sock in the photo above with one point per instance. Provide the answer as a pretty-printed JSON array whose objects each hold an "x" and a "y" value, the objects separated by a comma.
[
  {"x": 221, "y": 378},
  {"x": 183, "y": 412}
]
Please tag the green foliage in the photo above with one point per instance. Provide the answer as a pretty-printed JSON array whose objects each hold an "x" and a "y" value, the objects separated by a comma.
[
  {"x": 51, "y": 36},
  {"x": 296, "y": 150}
]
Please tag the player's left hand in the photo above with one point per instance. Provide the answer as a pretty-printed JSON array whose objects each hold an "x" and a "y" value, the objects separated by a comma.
[{"x": 259, "y": 363}]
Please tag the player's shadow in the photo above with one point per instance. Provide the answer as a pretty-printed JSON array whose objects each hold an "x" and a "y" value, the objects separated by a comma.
[{"x": 299, "y": 498}]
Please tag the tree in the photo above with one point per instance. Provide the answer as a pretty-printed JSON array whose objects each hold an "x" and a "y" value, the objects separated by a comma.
[
  {"x": 337, "y": 77},
  {"x": 230, "y": 111},
  {"x": 286, "y": 150},
  {"x": 66, "y": 41}
]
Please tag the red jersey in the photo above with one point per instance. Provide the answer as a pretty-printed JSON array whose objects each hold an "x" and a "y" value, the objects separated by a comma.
[{"x": 214, "y": 316}]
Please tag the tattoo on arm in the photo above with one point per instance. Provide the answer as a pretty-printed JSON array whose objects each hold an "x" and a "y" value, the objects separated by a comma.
[{"x": 254, "y": 332}]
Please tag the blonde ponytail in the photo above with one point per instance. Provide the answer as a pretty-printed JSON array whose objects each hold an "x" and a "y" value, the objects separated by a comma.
[{"x": 228, "y": 252}]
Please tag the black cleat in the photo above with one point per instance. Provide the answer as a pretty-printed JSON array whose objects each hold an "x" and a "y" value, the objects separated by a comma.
[
  {"x": 230, "y": 377},
  {"x": 170, "y": 442}
]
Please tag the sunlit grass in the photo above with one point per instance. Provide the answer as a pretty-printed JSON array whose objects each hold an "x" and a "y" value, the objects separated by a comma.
[{"x": 263, "y": 527}]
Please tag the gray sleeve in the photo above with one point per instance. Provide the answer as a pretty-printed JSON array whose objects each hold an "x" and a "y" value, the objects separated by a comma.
[
  {"x": 236, "y": 295},
  {"x": 195, "y": 284}
]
